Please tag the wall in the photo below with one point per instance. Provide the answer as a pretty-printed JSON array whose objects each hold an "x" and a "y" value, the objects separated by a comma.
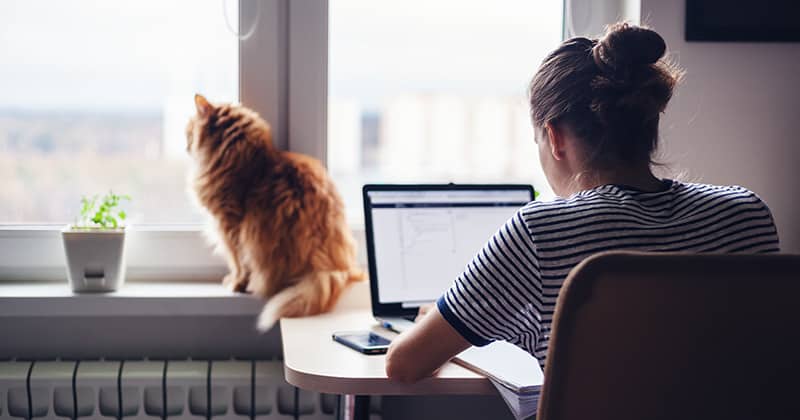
[{"x": 734, "y": 120}]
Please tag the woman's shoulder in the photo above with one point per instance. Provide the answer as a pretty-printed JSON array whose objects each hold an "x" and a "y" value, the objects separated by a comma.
[
  {"x": 560, "y": 207},
  {"x": 588, "y": 198},
  {"x": 733, "y": 192},
  {"x": 608, "y": 197}
]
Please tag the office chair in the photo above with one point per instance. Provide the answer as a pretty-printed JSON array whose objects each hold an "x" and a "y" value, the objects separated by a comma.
[{"x": 676, "y": 336}]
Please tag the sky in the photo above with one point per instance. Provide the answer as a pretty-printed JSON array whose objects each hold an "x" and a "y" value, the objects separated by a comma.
[
  {"x": 379, "y": 48},
  {"x": 114, "y": 55},
  {"x": 130, "y": 55}
]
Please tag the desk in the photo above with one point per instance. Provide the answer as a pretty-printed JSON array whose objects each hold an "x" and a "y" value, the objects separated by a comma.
[{"x": 313, "y": 361}]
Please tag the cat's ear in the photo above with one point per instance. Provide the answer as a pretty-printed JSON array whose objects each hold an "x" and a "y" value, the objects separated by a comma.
[{"x": 203, "y": 106}]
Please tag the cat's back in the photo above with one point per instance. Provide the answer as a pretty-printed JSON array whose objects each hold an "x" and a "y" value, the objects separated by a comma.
[
  {"x": 301, "y": 171},
  {"x": 304, "y": 167},
  {"x": 296, "y": 182}
]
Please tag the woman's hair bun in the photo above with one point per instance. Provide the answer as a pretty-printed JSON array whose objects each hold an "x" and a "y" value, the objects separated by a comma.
[
  {"x": 610, "y": 92},
  {"x": 625, "y": 46}
]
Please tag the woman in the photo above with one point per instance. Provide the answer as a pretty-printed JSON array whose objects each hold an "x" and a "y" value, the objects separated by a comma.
[{"x": 595, "y": 106}]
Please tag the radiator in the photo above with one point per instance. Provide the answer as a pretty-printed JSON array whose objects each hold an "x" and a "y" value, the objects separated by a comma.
[{"x": 144, "y": 389}]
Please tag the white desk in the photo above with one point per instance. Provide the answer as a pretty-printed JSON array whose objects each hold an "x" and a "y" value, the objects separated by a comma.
[{"x": 313, "y": 361}]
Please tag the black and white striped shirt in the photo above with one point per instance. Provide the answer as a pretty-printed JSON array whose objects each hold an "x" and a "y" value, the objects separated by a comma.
[{"x": 509, "y": 290}]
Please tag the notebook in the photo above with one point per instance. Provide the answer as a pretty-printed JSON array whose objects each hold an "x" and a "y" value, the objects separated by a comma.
[{"x": 514, "y": 372}]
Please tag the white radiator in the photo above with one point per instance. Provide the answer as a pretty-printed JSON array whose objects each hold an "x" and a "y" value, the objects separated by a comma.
[{"x": 143, "y": 389}]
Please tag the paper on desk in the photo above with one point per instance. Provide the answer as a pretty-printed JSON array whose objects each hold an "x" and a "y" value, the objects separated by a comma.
[
  {"x": 521, "y": 406},
  {"x": 514, "y": 372},
  {"x": 506, "y": 363}
]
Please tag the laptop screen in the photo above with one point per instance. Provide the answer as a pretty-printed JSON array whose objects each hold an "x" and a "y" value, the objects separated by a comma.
[{"x": 422, "y": 239}]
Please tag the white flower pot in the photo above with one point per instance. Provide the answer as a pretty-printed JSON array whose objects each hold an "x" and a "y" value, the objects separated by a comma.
[{"x": 95, "y": 258}]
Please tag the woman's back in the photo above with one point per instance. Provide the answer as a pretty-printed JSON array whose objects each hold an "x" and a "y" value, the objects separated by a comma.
[{"x": 516, "y": 278}]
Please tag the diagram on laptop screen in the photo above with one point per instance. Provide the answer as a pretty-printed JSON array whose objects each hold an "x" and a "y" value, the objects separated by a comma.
[{"x": 423, "y": 243}]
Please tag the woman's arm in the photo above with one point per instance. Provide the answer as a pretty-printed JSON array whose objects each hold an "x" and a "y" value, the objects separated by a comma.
[{"x": 420, "y": 351}]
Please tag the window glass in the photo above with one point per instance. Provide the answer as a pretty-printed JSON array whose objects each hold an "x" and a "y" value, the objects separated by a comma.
[
  {"x": 434, "y": 91},
  {"x": 96, "y": 96}
]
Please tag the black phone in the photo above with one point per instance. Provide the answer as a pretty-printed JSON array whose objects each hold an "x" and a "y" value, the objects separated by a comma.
[{"x": 366, "y": 342}]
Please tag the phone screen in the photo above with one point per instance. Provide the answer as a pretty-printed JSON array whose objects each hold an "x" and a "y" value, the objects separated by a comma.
[{"x": 365, "y": 342}]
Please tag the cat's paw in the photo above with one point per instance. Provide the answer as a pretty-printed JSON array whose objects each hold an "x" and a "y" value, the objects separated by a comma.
[{"x": 235, "y": 283}]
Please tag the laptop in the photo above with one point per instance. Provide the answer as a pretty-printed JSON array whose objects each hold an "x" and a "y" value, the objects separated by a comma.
[{"x": 420, "y": 238}]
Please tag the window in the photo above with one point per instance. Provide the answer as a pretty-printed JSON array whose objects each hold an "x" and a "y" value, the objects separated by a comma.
[
  {"x": 423, "y": 91},
  {"x": 96, "y": 96}
]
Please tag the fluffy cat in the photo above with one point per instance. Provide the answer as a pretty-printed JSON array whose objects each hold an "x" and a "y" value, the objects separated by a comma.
[{"x": 279, "y": 220}]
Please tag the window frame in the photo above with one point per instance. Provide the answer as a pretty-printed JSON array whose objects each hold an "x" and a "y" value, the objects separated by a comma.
[{"x": 282, "y": 76}]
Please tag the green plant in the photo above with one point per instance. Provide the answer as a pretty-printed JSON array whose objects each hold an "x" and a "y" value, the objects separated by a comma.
[{"x": 102, "y": 213}]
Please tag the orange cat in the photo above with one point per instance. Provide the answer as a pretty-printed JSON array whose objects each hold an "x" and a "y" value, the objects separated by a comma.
[{"x": 279, "y": 220}]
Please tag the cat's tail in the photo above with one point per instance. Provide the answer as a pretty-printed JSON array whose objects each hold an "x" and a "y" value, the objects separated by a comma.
[{"x": 315, "y": 293}]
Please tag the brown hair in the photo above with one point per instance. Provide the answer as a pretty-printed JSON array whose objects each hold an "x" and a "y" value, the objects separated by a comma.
[{"x": 609, "y": 92}]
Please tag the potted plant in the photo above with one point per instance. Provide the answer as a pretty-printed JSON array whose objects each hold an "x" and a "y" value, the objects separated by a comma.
[{"x": 95, "y": 245}]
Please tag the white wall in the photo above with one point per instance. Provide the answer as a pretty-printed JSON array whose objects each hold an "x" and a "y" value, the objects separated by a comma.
[{"x": 735, "y": 119}]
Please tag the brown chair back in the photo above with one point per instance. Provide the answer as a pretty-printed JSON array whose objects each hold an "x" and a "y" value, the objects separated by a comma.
[{"x": 676, "y": 336}]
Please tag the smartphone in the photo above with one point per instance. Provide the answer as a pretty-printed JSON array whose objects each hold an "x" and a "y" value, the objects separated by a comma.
[{"x": 366, "y": 342}]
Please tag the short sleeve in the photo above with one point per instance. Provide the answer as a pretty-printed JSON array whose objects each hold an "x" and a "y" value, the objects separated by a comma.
[
  {"x": 499, "y": 294},
  {"x": 771, "y": 244}
]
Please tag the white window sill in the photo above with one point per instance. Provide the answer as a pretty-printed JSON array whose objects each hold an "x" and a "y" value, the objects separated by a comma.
[
  {"x": 55, "y": 299},
  {"x": 133, "y": 299}
]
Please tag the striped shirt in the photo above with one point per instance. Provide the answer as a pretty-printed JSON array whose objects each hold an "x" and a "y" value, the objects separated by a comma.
[{"x": 509, "y": 290}]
